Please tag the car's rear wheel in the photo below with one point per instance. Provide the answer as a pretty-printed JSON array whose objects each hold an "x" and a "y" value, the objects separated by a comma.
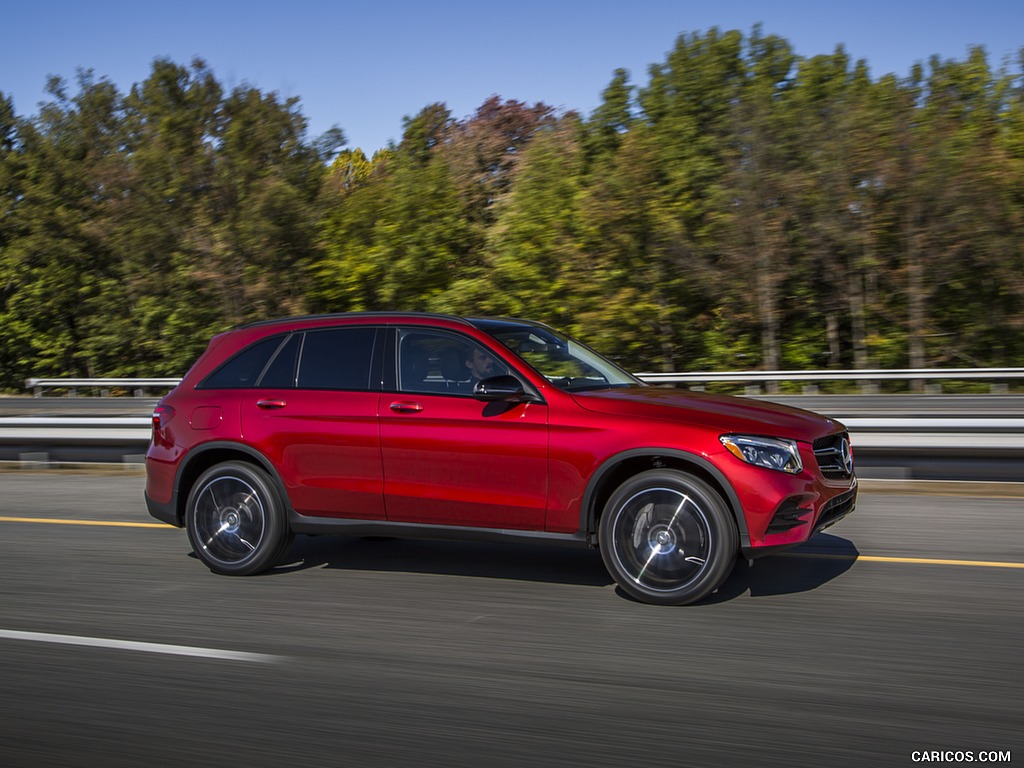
[
  {"x": 667, "y": 537},
  {"x": 235, "y": 520}
]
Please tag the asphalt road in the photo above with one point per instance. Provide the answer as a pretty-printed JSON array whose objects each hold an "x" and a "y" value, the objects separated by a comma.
[{"x": 401, "y": 653}]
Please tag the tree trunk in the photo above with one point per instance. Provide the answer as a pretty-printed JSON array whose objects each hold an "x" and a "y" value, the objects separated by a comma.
[
  {"x": 768, "y": 310},
  {"x": 858, "y": 324},
  {"x": 916, "y": 308}
]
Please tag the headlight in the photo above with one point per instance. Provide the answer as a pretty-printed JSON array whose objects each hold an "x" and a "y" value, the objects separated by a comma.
[{"x": 769, "y": 452}]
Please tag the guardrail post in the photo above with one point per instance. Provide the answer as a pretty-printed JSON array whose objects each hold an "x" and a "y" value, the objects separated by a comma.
[{"x": 35, "y": 460}]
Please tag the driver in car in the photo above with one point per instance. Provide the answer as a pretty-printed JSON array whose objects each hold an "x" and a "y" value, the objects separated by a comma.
[{"x": 480, "y": 364}]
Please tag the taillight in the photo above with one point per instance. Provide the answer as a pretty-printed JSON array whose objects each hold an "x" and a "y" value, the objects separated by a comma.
[{"x": 162, "y": 415}]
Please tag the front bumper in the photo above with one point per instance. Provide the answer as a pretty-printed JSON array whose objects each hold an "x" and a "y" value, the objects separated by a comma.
[{"x": 799, "y": 517}]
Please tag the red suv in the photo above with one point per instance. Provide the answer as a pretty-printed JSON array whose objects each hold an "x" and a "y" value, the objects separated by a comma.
[{"x": 435, "y": 426}]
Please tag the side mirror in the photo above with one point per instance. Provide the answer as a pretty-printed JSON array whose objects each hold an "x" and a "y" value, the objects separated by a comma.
[{"x": 501, "y": 389}]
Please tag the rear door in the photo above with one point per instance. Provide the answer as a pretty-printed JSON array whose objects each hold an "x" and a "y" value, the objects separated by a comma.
[{"x": 314, "y": 415}]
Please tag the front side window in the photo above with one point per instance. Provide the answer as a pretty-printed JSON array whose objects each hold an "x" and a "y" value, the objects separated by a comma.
[
  {"x": 337, "y": 358},
  {"x": 437, "y": 362}
]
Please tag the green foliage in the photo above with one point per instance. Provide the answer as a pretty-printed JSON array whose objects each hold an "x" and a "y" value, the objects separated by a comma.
[
  {"x": 745, "y": 207},
  {"x": 532, "y": 262},
  {"x": 612, "y": 118},
  {"x": 393, "y": 235},
  {"x": 147, "y": 222}
]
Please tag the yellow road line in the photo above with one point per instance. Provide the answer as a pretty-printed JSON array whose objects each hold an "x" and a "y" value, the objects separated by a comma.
[
  {"x": 57, "y": 521},
  {"x": 818, "y": 555},
  {"x": 911, "y": 560}
]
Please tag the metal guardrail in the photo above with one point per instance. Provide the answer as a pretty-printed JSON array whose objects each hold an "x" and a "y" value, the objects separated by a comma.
[
  {"x": 886, "y": 448},
  {"x": 868, "y": 378},
  {"x": 140, "y": 386},
  {"x": 966, "y": 432},
  {"x": 137, "y": 386},
  {"x": 880, "y": 374},
  {"x": 979, "y": 437}
]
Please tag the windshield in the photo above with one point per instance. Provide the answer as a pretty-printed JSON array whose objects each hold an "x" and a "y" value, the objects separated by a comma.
[{"x": 564, "y": 362}]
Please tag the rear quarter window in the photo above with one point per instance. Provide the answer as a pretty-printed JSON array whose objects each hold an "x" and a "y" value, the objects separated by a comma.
[{"x": 243, "y": 370}]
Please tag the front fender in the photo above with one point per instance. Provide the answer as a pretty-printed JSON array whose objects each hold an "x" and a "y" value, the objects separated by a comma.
[{"x": 699, "y": 464}]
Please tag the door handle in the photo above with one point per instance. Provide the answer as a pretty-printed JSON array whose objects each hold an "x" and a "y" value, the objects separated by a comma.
[
  {"x": 270, "y": 404},
  {"x": 406, "y": 406}
]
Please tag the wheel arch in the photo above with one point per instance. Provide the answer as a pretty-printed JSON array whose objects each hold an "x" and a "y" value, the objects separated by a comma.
[
  {"x": 207, "y": 455},
  {"x": 618, "y": 468}
]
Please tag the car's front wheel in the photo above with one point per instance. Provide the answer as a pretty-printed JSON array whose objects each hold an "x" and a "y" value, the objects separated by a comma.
[
  {"x": 667, "y": 537},
  {"x": 235, "y": 519}
]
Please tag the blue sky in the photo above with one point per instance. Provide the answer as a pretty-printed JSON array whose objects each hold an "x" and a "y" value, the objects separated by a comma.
[{"x": 363, "y": 66}]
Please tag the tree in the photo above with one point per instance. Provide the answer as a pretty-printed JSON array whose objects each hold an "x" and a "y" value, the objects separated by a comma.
[
  {"x": 346, "y": 273},
  {"x": 13, "y": 346},
  {"x": 261, "y": 215},
  {"x": 397, "y": 239},
  {"x": 56, "y": 260},
  {"x": 171, "y": 147},
  {"x": 533, "y": 265},
  {"x": 836, "y": 175},
  {"x": 611, "y": 120},
  {"x": 680, "y": 161},
  {"x": 149, "y": 222},
  {"x": 944, "y": 184},
  {"x": 760, "y": 219},
  {"x": 482, "y": 152}
]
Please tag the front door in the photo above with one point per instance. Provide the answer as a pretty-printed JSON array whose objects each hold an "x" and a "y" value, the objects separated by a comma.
[{"x": 450, "y": 459}]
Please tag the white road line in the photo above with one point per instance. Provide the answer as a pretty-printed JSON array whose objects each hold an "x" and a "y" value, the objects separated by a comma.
[{"x": 130, "y": 645}]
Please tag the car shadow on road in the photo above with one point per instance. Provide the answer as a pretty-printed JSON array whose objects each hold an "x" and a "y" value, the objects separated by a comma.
[
  {"x": 819, "y": 561},
  {"x": 824, "y": 558},
  {"x": 519, "y": 562}
]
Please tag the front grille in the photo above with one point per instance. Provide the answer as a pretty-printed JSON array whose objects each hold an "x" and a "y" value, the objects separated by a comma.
[
  {"x": 836, "y": 509},
  {"x": 835, "y": 460}
]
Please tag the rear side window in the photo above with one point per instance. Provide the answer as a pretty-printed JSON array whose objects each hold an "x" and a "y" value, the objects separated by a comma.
[
  {"x": 242, "y": 370},
  {"x": 280, "y": 373},
  {"x": 337, "y": 358}
]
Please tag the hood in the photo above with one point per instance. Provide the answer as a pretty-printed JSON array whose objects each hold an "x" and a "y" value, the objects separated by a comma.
[{"x": 716, "y": 412}]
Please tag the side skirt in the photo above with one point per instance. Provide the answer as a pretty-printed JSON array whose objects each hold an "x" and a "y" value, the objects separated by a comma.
[{"x": 342, "y": 527}]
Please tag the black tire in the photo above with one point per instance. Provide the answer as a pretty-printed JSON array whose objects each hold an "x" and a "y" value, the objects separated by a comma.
[
  {"x": 667, "y": 537},
  {"x": 236, "y": 520}
]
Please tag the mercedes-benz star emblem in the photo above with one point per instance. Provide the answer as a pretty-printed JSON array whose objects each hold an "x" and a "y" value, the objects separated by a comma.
[{"x": 846, "y": 455}]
